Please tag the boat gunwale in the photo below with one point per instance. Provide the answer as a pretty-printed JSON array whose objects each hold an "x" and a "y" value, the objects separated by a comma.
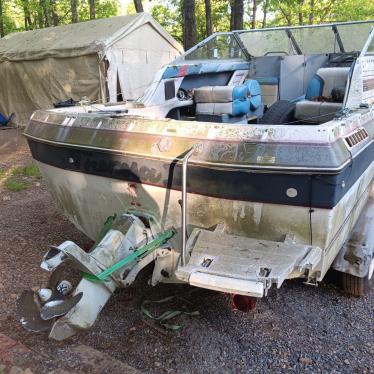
[
  {"x": 178, "y": 159},
  {"x": 171, "y": 135},
  {"x": 350, "y": 127}
]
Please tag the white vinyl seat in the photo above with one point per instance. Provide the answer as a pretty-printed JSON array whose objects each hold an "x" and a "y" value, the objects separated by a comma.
[
  {"x": 316, "y": 111},
  {"x": 319, "y": 106},
  {"x": 226, "y": 104}
]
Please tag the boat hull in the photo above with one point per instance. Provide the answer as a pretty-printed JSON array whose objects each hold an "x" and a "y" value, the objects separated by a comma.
[
  {"x": 87, "y": 200},
  {"x": 299, "y": 183}
]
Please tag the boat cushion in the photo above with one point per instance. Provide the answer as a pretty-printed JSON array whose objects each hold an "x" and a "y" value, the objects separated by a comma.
[
  {"x": 325, "y": 80},
  {"x": 234, "y": 108},
  {"x": 220, "y": 94},
  {"x": 269, "y": 89},
  {"x": 255, "y": 102},
  {"x": 324, "y": 95},
  {"x": 316, "y": 111},
  {"x": 315, "y": 88},
  {"x": 333, "y": 78},
  {"x": 271, "y": 81},
  {"x": 254, "y": 94},
  {"x": 254, "y": 88}
]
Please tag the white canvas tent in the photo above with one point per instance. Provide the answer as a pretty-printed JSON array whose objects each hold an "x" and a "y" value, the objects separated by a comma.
[{"x": 105, "y": 60}]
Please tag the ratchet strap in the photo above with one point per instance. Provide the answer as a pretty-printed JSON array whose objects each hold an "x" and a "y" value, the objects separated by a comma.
[
  {"x": 165, "y": 316},
  {"x": 147, "y": 248}
]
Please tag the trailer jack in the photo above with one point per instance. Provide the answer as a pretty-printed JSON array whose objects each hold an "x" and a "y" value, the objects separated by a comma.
[{"x": 126, "y": 247}]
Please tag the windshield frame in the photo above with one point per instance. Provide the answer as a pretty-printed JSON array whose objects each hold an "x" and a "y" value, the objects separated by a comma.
[{"x": 296, "y": 48}]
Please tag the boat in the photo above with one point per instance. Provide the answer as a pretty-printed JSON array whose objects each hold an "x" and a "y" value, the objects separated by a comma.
[{"x": 250, "y": 156}]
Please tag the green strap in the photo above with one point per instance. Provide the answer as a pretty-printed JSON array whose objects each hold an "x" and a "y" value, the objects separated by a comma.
[
  {"x": 151, "y": 246},
  {"x": 166, "y": 316},
  {"x": 104, "y": 230}
]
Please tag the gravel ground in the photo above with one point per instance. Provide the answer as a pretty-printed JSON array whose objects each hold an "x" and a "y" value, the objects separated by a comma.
[{"x": 295, "y": 329}]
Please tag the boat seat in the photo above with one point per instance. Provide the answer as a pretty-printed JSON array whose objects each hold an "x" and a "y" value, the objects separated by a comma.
[
  {"x": 227, "y": 104},
  {"x": 324, "y": 95},
  {"x": 269, "y": 90},
  {"x": 316, "y": 111}
]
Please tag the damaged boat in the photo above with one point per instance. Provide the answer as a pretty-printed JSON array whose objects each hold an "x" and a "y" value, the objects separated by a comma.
[{"x": 248, "y": 161}]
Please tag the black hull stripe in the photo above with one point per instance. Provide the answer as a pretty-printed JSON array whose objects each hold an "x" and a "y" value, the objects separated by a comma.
[{"x": 313, "y": 190}]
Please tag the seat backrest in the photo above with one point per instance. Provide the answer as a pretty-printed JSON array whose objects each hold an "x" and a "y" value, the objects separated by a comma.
[
  {"x": 269, "y": 89},
  {"x": 220, "y": 94},
  {"x": 325, "y": 80},
  {"x": 240, "y": 100}
]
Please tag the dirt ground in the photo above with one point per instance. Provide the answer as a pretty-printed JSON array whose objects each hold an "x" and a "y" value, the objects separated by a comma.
[{"x": 296, "y": 329}]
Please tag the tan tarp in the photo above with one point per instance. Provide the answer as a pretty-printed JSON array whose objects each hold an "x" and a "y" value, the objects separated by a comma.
[
  {"x": 77, "y": 39},
  {"x": 29, "y": 85},
  {"x": 42, "y": 67}
]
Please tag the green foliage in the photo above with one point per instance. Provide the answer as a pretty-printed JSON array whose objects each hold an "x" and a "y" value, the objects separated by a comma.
[
  {"x": 19, "y": 178},
  {"x": 15, "y": 12},
  {"x": 345, "y": 10},
  {"x": 104, "y": 9},
  {"x": 2, "y": 173},
  {"x": 279, "y": 13},
  {"x": 169, "y": 13},
  {"x": 15, "y": 184},
  {"x": 30, "y": 170},
  {"x": 299, "y": 12}
]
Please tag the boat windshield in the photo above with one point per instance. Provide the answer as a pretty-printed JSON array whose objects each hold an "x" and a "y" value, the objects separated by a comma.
[
  {"x": 219, "y": 47},
  {"x": 307, "y": 40},
  {"x": 303, "y": 40}
]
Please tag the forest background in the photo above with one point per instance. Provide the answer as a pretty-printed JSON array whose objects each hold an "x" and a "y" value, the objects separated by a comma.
[{"x": 188, "y": 21}]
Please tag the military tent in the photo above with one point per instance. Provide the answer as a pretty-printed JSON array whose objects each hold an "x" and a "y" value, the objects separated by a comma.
[{"x": 105, "y": 60}]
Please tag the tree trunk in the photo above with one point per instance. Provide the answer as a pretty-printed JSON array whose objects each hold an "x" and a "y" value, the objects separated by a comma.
[
  {"x": 301, "y": 20},
  {"x": 311, "y": 14},
  {"x": 286, "y": 16},
  {"x": 40, "y": 15},
  {"x": 138, "y": 6},
  {"x": 43, "y": 14},
  {"x": 47, "y": 20},
  {"x": 74, "y": 11},
  {"x": 208, "y": 18},
  {"x": 232, "y": 17},
  {"x": 27, "y": 17},
  {"x": 1, "y": 20},
  {"x": 265, "y": 13},
  {"x": 55, "y": 19},
  {"x": 254, "y": 11},
  {"x": 189, "y": 24},
  {"x": 237, "y": 13},
  {"x": 92, "y": 9}
]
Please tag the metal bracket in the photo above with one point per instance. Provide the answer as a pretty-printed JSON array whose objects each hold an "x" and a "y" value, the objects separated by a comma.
[
  {"x": 338, "y": 38},
  {"x": 195, "y": 148}
]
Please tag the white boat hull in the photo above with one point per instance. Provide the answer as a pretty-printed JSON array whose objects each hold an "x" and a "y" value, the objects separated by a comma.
[{"x": 88, "y": 200}]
